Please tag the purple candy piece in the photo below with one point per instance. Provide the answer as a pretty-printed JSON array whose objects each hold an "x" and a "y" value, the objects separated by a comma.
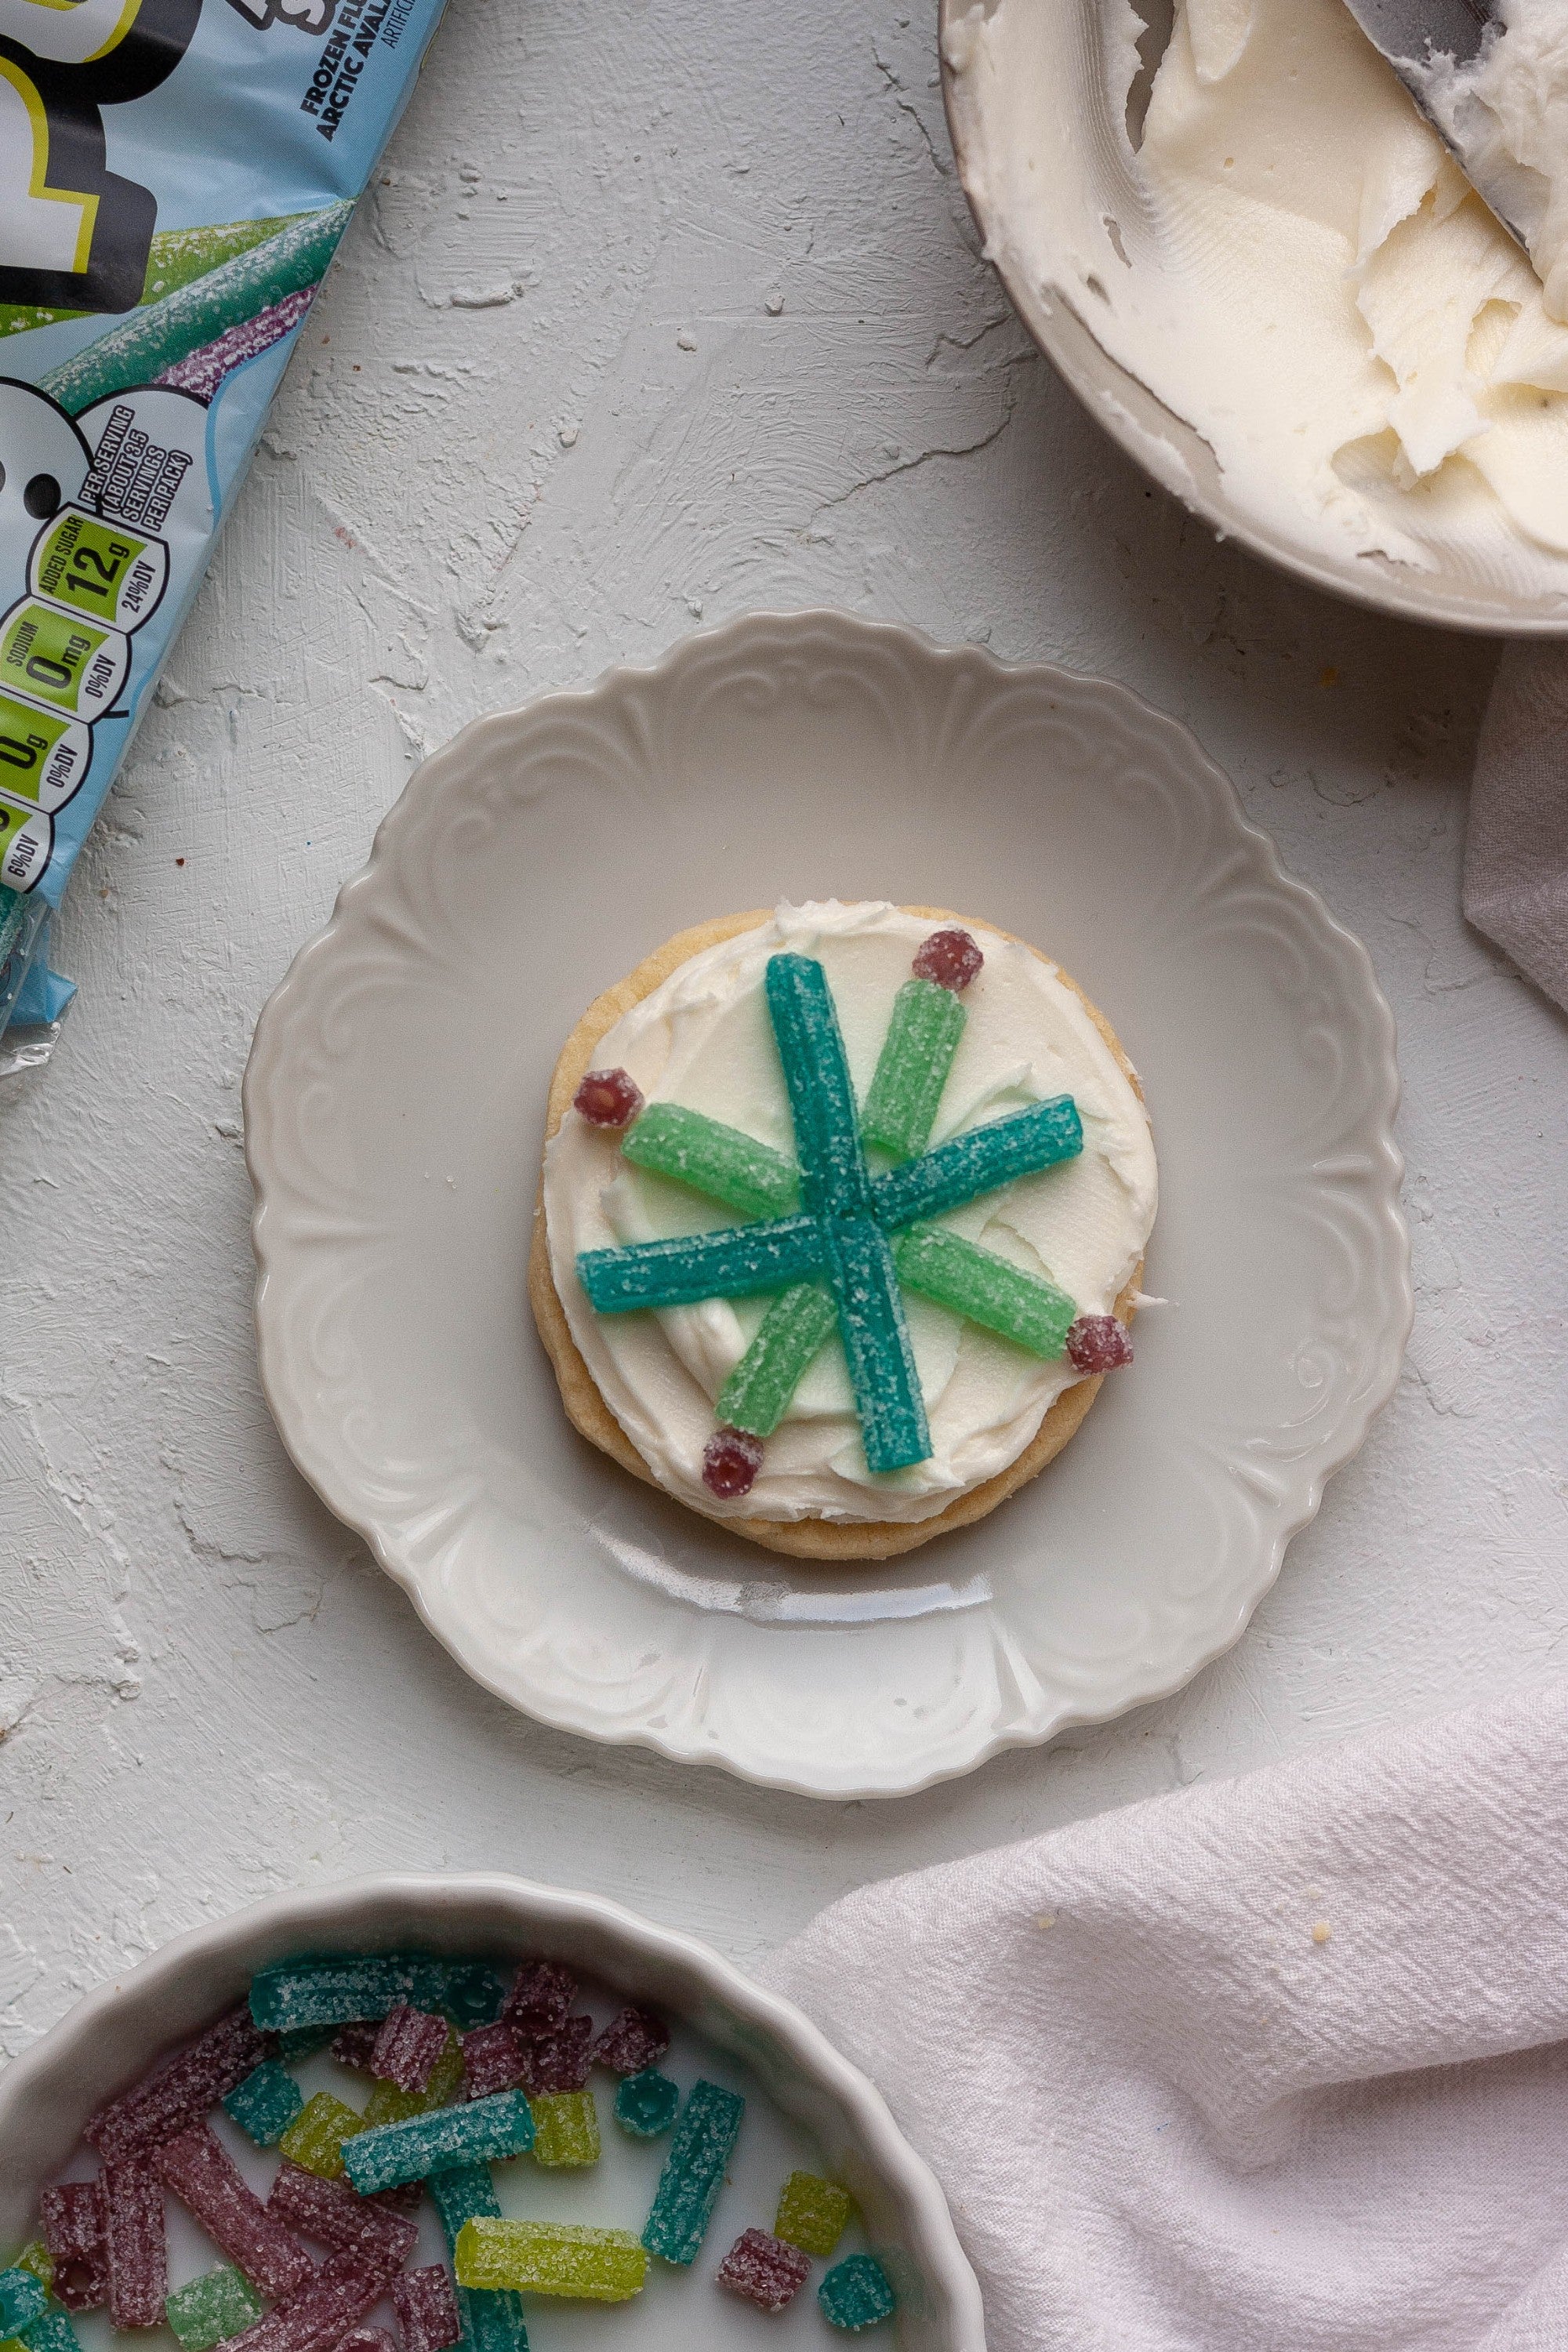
[
  {"x": 426, "y": 2309},
  {"x": 318, "y": 2318},
  {"x": 559, "y": 2061},
  {"x": 764, "y": 2270},
  {"x": 367, "y": 2339},
  {"x": 354, "y": 2045},
  {"x": 337, "y": 2217},
  {"x": 541, "y": 1993},
  {"x": 133, "y": 2234},
  {"x": 202, "y": 371},
  {"x": 492, "y": 2061},
  {"x": 73, "y": 2226},
  {"x": 206, "y": 2180},
  {"x": 408, "y": 2046},
  {"x": 180, "y": 2093},
  {"x": 632, "y": 2042}
]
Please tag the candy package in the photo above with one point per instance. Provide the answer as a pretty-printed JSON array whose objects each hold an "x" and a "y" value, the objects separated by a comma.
[{"x": 178, "y": 176}]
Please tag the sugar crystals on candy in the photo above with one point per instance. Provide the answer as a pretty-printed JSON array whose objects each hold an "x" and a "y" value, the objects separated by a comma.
[
  {"x": 541, "y": 1993},
  {"x": 35, "y": 2256},
  {"x": 265, "y": 2102},
  {"x": 367, "y": 2339},
  {"x": 73, "y": 2221},
  {"x": 492, "y": 2060},
  {"x": 336, "y": 1988},
  {"x": 426, "y": 2309},
  {"x": 471, "y": 1993},
  {"x": 22, "y": 2300},
  {"x": 483, "y": 2132},
  {"x": 180, "y": 2092},
  {"x": 315, "y": 2137},
  {"x": 137, "y": 2259},
  {"x": 565, "y": 2128},
  {"x": 764, "y": 2270},
  {"x": 407, "y": 2047},
  {"x": 560, "y": 2060},
  {"x": 646, "y": 2103},
  {"x": 491, "y": 2318},
  {"x": 388, "y": 2104},
  {"x": 857, "y": 2294},
  {"x": 813, "y": 2213},
  {"x": 52, "y": 2333},
  {"x": 355, "y": 2044},
  {"x": 211, "y": 2308},
  {"x": 693, "y": 2173},
  {"x": 319, "y": 2316},
  {"x": 632, "y": 2041},
  {"x": 332, "y": 2213},
  {"x": 1098, "y": 1343},
  {"x": 551, "y": 2258},
  {"x": 203, "y": 2177}
]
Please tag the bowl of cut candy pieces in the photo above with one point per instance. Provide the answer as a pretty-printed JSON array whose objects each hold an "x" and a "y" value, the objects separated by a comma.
[{"x": 411, "y": 2113}]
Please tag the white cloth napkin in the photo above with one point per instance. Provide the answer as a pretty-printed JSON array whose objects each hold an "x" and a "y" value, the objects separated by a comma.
[
  {"x": 1516, "y": 849},
  {"x": 1271, "y": 2064}
]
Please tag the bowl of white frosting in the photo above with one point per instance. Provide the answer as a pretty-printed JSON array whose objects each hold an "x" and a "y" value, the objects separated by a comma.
[{"x": 1234, "y": 234}]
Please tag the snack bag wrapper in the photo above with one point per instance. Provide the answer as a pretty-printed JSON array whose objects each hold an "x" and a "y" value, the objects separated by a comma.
[{"x": 175, "y": 177}]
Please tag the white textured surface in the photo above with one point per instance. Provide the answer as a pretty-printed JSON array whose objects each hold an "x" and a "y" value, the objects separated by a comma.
[{"x": 718, "y": 248}]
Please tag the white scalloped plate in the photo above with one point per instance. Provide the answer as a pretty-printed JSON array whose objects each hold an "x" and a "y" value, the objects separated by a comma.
[{"x": 393, "y": 1106}]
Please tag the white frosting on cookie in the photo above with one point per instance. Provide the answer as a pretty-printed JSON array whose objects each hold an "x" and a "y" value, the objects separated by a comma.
[{"x": 702, "y": 1038}]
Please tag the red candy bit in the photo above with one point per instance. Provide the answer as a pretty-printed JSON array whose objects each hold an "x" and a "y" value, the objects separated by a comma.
[
  {"x": 730, "y": 1461},
  {"x": 408, "y": 2046},
  {"x": 367, "y": 2339},
  {"x": 950, "y": 958},
  {"x": 764, "y": 2270},
  {"x": 319, "y": 2318},
  {"x": 180, "y": 2093},
  {"x": 541, "y": 1993},
  {"x": 1098, "y": 1343},
  {"x": 608, "y": 1098},
  {"x": 354, "y": 2045},
  {"x": 559, "y": 2061},
  {"x": 332, "y": 2213},
  {"x": 137, "y": 2259},
  {"x": 73, "y": 2225},
  {"x": 206, "y": 2181},
  {"x": 632, "y": 2041},
  {"x": 426, "y": 2309},
  {"x": 492, "y": 2061}
]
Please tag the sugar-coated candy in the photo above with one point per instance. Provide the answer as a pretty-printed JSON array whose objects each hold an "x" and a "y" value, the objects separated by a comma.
[
  {"x": 950, "y": 958},
  {"x": 355, "y": 2044},
  {"x": 721, "y": 1162},
  {"x": 426, "y": 2308},
  {"x": 786, "y": 1342},
  {"x": 484, "y": 2132},
  {"x": 471, "y": 1993},
  {"x": 181, "y": 2091},
  {"x": 981, "y": 1160},
  {"x": 1098, "y": 1343},
  {"x": 407, "y": 2045},
  {"x": 730, "y": 1461},
  {"x": 693, "y": 2172},
  {"x": 52, "y": 2332},
  {"x": 73, "y": 2223},
  {"x": 985, "y": 1288},
  {"x": 211, "y": 2308},
  {"x": 813, "y": 2213},
  {"x": 540, "y": 1995},
  {"x": 646, "y": 2103},
  {"x": 304, "y": 2043},
  {"x": 22, "y": 2300},
  {"x": 205, "y": 2178},
  {"x": 551, "y": 2258},
  {"x": 833, "y": 1178},
  {"x": 388, "y": 2104},
  {"x": 734, "y": 1263},
  {"x": 565, "y": 2128},
  {"x": 492, "y": 2060},
  {"x": 632, "y": 2041},
  {"x": 560, "y": 2060},
  {"x": 338, "y": 2217},
  {"x": 856, "y": 2292},
  {"x": 492, "y": 2317},
  {"x": 338, "y": 1988},
  {"x": 35, "y": 2257},
  {"x": 134, "y": 2233},
  {"x": 265, "y": 2102},
  {"x": 368, "y": 2339},
  {"x": 911, "y": 1070},
  {"x": 315, "y": 2138},
  {"x": 877, "y": 1344},
  {"x": 608, "y": 1098},
  {"x": 765, "y": 2270},
  {"x": 319, "y": 2316}
]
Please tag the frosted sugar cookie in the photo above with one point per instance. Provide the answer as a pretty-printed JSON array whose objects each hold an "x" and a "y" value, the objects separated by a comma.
[{"x": 841, "y": 1220}]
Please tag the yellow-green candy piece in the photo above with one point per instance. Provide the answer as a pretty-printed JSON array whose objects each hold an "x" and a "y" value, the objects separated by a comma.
[
  {"x": 813, "y": 2213},
  {"x": 565, "y": 2127},
  {"x": 314, "y": 2140},
  {"x": 551, "y": 2258},
  {"x": 35, "y": 2257},
  {"x": 388, "y": 2104}
]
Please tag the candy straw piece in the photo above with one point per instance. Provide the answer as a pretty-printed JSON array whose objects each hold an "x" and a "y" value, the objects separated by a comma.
[
  {"x": 265, "y": 2102},
  {"x": 877, "y": 1344},
  {"x": 646, "y": 2103},
  {"x": 368, "y": 2339},
  {"x": 180, "y": 2093},
  {"x": 980, "y": 1160},
  {"x": 471, "y": 1991},
  {"x": 315, "y": 2138},
  {"x": 764, "y": 2270},
  {"x": 758, "y": 1392},
  {"x": 204, "y": 2179},
  {"x": 693, "y": 2172},
  {"x": 407, "y": 2047},
  {"x": 73, "y": 2223},
  {"x": 857, "y": 2294},
  {"x": 833, "y": 1178},
  {"x": 355, "y": 2044},
  {"x": 911, "y": 1069},
  {"x": 813, "y": 2213},
  {"x": 335, "y": 1988},
  {"x": 559, "y": 2061},
  {"x": 22, "y": 2300},
  {"x": 133, "y": 2235},
  {"x": 492, "y": 2319},
  {"x": 551, "y": 2258},
  {"x": 426, "y": 2309},
  {"x": 978, "y": 1284},
  {"x": 539, "y": 1997},
  {"x": 51, "y": 2333},
  {"x": 481, "y": 2132},
  {"x": 719, "y": 1161},
  {"x": 493, "y": 2059},
  {"x": 632, "y": 2041},
  {"x": 565, "y": 2128},
  {"x": 338, "y": 2217},
  {"x": 211, "y": 2308},
  {"x": 319, "y": 2318},
  {"x": 388, "y": 2104},
  {"x": 733, "y": 1262}
]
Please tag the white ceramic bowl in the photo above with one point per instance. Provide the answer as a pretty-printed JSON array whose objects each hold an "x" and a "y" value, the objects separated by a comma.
[
  {"x": 113, "y": 2036},
  {"x": 989, "y": 119}
]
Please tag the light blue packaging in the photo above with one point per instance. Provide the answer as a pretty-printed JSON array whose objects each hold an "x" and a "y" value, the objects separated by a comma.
[{"x": 188, "y": 168}]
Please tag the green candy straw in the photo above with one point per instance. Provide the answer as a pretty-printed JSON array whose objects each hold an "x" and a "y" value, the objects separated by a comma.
[
  {"x": 988, "y": 1290},
  {"x": 714, "y": 1159},
  {"x": 911, "y": 1069},
  {"x": 757, "y": 1394}
]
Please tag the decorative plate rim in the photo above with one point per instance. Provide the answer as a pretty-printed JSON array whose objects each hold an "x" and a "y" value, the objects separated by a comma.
[{"x": 331, "y": 1478}]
